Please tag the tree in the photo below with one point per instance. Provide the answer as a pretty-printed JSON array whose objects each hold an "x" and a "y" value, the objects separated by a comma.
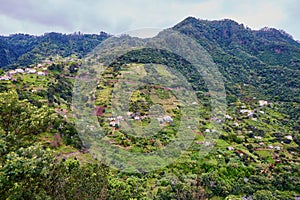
[
  {"x": 23, "y": 173},
  {"x": 23, "y": 162},
  {"x": 21, "y": 118},
  {"x": 71, "y": 180},
  {"x": 263, "y": 195},
  {"x": 29, "y": 170}
]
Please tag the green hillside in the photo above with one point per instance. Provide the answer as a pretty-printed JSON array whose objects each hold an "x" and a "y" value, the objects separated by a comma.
[
  {"x": 257, "y": 153},
  {"x": 21, "y": 50}
]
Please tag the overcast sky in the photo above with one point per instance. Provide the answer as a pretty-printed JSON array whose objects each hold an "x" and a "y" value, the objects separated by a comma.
[{"x": 115, "y": 16}]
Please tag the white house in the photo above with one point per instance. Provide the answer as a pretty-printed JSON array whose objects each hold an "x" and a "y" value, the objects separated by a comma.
[
  {"x": 129, "y": 114},
  {"x": 277, "y": 148},
  {"x": 120, "y": 118},
  {"x": 262, "y": 103},
  {"x": 258, "y": 137},
  {"x": 19, "y": 70},
  {"x": 168, "y": 119},
  {"x": 5, "y": 78},
  {"x": 194, "y": 103},
  {"x": 228, "y": 116},
  {"x": 111, "y": 119},
  {"x": 230, "y": 148},
  {"x": 236, "y": 124},
  {"x": 289, "y": 137},
  {"x": 113, "y": 123},
  {"x": 261, "y": 144},
  {"x": 207, "y": 130},
  {"x": 30, "y": 71},
  {"x": 248, "y": 112},
  {"x": 137, "y": 118},
  {"x": 41, "y": 73},
  {"x": 12, "y": 72}
]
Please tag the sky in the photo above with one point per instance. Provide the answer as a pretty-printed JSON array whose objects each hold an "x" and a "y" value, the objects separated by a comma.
[{"x": 116, "y": 16}]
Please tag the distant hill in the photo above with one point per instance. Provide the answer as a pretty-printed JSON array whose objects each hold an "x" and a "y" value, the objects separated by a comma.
[{"x": 24, "y": 49}]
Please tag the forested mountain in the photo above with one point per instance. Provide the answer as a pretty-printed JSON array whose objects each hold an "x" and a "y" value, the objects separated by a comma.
[
  {"x": 267, "y": 60},
  {"x": 21, "y": 50},
  {"x": 257, "y": 153}
]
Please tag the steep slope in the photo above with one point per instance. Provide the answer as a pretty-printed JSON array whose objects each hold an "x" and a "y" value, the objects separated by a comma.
[
  {"x": 267, "y": 60},
  {"x": 255, "y": 157}
]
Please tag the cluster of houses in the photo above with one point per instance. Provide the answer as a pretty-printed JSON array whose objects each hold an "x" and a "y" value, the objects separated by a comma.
[
  {"x": 245, "y": 112},
  {"x": 250, "y": 113},
  {"x": 5, "y": 78},
  {"x": 11, "y": 73},
  {"x": 115, "y": 121},
  {"x": 262, "y": 144}
]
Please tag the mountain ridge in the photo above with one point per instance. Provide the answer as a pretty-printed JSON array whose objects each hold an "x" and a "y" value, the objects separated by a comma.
[
  {"x": 268, "y": 60},
  {"x": 18, "y": 49}
]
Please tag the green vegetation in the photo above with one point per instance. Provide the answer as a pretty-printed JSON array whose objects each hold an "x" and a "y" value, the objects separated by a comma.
[
  {"x": 23, "y": 49},
  {"x": 257, "y": 155}
]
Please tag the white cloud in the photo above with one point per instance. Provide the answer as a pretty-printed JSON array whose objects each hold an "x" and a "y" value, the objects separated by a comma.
[
  {"x": 116, "y": 16},
  {"x": 257, "y": 15}
]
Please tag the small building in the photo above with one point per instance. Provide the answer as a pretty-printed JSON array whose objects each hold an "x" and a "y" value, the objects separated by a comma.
[
  {"x": 258, "y": 137},
  {"x": 12, "y": 72},
  {"x": 194, "y": 103},
  {"x": 262, "y": 103},
  {"x": 5, "y": 78},
  {"x": 160, "y": 120},
  {"x": 120, "y": 118},
  {"x": 236, "y": 124},
  {"x": 278, "y": 148},
  {"x": 248, "y": 112},
  {"x": 47, "y": 61},
  {"x": 129, "y": 114},
  {"x": 289, "y": 137},
  {"x": 111, "y": 119},
  {"x": 207, "y": 130},
  {"x": 230, "y": 148},
  {"x": 167, "y": 119},
  {"x": 113, "y": 123},
  {"x": 261, "y": 144},
  {"x": 41, "y": 73},
  {"x": 19, "y": 70},
  {"x": 90, "y": 127},
  {"x": 30, "y": 71},
  {"x": 228, "y": 117},
  {"x": 207, "y": 143}
]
